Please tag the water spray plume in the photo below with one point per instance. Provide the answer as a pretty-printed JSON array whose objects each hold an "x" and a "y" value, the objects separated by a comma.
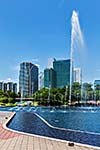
[
  {"x": 77, "y": 42},
  {"x": 76, "y": 33}
]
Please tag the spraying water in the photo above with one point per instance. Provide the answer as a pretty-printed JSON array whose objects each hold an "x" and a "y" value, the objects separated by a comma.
[{"x": 77, "y": 42}]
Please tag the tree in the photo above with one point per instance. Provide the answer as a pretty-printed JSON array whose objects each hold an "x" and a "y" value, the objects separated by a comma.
[
  {"x": 87, "y": 91},
  {"x": 76, "y": 91},
  {"x": 97, "y": 92}
]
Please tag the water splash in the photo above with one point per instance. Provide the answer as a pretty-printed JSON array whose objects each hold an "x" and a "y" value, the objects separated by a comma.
[
  {"x": 77, "y": 42},
  {"x": 76, "y": 33}
]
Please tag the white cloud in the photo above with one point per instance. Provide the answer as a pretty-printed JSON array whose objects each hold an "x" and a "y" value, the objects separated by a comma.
[
  {"x": 15, "y": 68},
  {"x": 10, "y": 80}
]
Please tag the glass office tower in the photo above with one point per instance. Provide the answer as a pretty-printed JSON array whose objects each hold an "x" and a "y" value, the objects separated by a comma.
[
  {"x": 28, "y": 79},
  {"x": 62, "y": 72},
  {"x": 49, "y": 78}
]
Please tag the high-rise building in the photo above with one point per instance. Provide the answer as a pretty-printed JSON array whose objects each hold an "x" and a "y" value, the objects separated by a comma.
[
  {"x": 10, "y": 86},
  {"x": 77, "y": 75},
  {"x": 62, "y": 72},
  {"x": 5, "y": 87},
  {"x": 1, "y": 86},
  {"x": 28, "y": 79},
  {"x": 96, "y": 83},
  {"x": 49, "y": 78},
  {"x": 41, "y": 80},
  {"x": 15, "y": 87},
  {"x": 50, "y": 62}
]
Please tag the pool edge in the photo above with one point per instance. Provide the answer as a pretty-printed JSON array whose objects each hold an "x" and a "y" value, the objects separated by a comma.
[
  {"x": 29, "y": 134},
  {"x": 54, "y": 127}
]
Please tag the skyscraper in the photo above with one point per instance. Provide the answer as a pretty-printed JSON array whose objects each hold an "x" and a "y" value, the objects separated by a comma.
[
  {"x": 5, "y": 87},
  {"x": 96, "y": 83},
  {"x": 1, "y": 86},
  {"x": 50, "y": 62},
  {"x": 41, "y": 80},
  {"x": 49, "y": 78},
  {"x": 28, "y": 79},
  {"x": 15, "y": 87},
  {"x": 10, "y": 86},
  {"x": 77, "y": 75},
  {"x": 62, "y": 72}
]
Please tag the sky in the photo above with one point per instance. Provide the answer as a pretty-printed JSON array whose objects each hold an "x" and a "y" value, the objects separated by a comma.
[{"x": 35, "y": 30}]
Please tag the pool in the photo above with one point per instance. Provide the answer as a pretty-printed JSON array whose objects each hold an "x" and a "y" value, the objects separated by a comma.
[{"x": 83, "y": 122}]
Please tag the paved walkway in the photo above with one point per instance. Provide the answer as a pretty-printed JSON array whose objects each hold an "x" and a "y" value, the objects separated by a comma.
[{"x": 15, "y": 141}]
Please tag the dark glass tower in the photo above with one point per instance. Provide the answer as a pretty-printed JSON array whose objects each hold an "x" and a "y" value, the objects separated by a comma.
[
  {"x": 28, "y": 79},
  {"x": 49, "y": 78},
  {"x": 62, "y": 72}
]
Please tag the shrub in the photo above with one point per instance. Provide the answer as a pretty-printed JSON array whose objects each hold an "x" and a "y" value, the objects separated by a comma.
[{"x": 4, "y": 100}]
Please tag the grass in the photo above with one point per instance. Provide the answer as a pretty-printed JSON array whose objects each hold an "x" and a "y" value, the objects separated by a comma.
[
  {"x": 10, "y": 104},
  {"x": 35, "y": 104},
  {"x": 7, "y": 104}
]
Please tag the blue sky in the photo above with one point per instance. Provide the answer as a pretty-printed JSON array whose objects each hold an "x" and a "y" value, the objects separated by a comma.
[{"x": 39, "y": 29}]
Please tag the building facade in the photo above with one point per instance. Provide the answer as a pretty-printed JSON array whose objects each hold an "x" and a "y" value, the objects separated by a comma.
[
  {"x": 9, "y": 86},
  {"x": 96, "y": 83},
  {"x": 62, "y": 72},
  {"x": 28, "y": 79},
  {"x": 1, "y": 86},
  {"x": 15, "y": 87},
  {"x": 41, "y": 80},
  {"x": 77, "y": 75},
  {"x": 5, "y": 87},
  {"x": 50, "y": 62},
  {"x": 49, "y": 78}
]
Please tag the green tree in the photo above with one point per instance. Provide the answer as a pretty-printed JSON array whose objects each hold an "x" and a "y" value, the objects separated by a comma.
[
  {"x": 76, "y": 92},
  {"x": 87, "y": 91}
]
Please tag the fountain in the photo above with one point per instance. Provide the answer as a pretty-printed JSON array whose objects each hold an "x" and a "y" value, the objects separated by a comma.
[{"x": 77, "y": 42}]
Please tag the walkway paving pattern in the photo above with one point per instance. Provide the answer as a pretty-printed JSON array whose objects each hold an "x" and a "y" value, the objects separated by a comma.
[{"x": 16, "y": 141}]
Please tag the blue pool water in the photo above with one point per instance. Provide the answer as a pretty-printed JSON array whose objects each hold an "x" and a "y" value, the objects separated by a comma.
[{"x": 77, "y": 119}]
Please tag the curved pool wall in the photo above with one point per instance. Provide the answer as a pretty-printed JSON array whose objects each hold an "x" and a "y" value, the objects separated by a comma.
[
  {"x": 82, "y": 118},
  {"x": 31, "y": 123},
  {"x": 27, "y": 119}
]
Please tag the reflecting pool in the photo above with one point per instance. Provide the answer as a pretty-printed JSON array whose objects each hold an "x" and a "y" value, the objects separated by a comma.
[{"x": 83, "y": 122}]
